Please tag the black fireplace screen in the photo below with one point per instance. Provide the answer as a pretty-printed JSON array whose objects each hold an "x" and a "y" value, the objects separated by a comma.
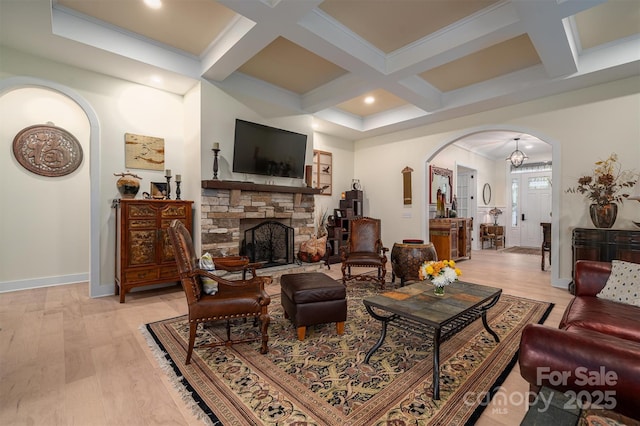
[{"x": 269, "y": 243}]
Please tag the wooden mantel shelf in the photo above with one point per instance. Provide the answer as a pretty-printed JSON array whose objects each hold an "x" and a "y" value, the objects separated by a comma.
[{"x": 250, "y": 186}]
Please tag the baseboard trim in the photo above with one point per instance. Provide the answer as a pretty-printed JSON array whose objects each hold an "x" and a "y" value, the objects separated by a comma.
[{"x": 7, "y": 286}]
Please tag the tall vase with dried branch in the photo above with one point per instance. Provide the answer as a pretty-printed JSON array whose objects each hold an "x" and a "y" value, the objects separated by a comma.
[{"x": 605, "y": 188}]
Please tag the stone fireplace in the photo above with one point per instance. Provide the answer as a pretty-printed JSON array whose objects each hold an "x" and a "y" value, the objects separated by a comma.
[{"x": 229, "y": 209}]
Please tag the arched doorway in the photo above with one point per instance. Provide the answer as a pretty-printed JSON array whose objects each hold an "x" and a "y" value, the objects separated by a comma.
[
  {"x": 452, "y": 152},
  {"x": 92, "y": 163}
]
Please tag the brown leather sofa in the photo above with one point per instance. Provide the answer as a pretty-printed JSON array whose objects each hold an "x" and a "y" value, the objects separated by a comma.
[{"x": 595, "y": 352}]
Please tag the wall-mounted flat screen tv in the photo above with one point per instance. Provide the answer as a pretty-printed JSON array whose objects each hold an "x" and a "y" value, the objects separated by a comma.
[{"x": 264, "y": 150}]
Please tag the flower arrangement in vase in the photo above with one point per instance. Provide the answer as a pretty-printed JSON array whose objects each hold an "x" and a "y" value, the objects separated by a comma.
[
  {"x": 441, "y": 273},
  {"x": 605, "y": 190}
]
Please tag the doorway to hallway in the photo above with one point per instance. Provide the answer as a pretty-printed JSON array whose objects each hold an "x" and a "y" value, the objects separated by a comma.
[{"x": 530, "y": 204}]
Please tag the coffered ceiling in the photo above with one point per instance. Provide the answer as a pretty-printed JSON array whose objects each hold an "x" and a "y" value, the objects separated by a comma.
[{"x": 422, "y": 60}]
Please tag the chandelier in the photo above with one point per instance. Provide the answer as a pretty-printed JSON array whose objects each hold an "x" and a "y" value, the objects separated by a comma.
[{"x": 517, "y": 157}]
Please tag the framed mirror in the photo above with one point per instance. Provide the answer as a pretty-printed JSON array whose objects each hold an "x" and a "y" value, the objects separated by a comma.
[
  {"x": 441, "y": 179},
  {"x": 486, "y": 194}
]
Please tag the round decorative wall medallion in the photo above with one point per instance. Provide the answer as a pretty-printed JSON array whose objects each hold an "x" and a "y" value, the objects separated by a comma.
[{"x": 47, "y": 150}]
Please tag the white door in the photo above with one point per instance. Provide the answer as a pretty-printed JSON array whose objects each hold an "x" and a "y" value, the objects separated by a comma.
[
  {"x": 465, "y": 191},
  {"x": 535, "y": 207}
]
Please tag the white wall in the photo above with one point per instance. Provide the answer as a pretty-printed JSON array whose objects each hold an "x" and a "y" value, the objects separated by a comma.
[
  {"x": 44, "y": 221},
  {"x": 218, "y": 116},
  {"x": 122, "y": 107},
  {"x": 583, "y": 126},
  {"x": 342, "y": 157}
]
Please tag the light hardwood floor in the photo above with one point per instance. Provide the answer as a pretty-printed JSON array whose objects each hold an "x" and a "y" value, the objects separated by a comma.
[{"x": 68, "y": 359}]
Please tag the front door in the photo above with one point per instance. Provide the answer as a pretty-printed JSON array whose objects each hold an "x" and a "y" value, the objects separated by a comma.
[{"x": 535, "y": 208}]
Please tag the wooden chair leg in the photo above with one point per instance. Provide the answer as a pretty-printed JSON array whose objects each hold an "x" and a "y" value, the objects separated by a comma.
[
  {"x": 302, "y": 330},
  {"x": 265, "y": 319},
  {"x": 193, "y": 327},
  {"x": 340, "y": 327}
]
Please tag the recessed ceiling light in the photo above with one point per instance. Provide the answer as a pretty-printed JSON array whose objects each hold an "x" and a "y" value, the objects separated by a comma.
[
  {"x": 153, "y": 4},
  {"x": 369, "y": 100},
  {"x": 315, "y": 126},
  {"x": 156, "y": 79}
]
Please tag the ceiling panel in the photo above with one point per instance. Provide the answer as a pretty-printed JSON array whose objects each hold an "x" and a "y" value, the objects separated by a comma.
[
  {"x": 500, "y": 59},
  {"x": 291, "y": 67},
  {"x": 384, "y": 101},
  {"x": 390, "y": 25},
  {"x": 608, "y": 22},
  {"x": 186, "y": 25}
]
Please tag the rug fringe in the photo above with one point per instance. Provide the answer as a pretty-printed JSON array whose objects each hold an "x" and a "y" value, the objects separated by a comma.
[{"x": 176, "y": 380}]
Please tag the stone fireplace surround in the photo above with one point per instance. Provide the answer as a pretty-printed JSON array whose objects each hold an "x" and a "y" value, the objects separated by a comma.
[{"x": 226, "y": 204}]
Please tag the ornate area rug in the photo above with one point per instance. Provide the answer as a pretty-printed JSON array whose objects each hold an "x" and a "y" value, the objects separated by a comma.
[{"x": 323, "y": 379}]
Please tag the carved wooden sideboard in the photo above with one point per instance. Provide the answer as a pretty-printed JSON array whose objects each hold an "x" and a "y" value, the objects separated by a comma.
[
  {"x": 605, "y": 245},
  {"x": 144, "y": 254},
  {"x": 451, "y": 237}
]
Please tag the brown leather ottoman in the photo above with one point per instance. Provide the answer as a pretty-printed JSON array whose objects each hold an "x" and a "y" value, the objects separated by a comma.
[{"x": 313, "y": 298}]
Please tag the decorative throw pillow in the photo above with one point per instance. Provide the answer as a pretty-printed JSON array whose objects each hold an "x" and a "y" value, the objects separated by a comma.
[{"x": 623, "y": 285}]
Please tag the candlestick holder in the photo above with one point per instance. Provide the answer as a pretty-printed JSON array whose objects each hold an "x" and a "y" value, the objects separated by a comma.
[
  {"x": 168, "y": 187},
  {"x": 215, "y": 162},
  {"x": 178, "y": 190}
]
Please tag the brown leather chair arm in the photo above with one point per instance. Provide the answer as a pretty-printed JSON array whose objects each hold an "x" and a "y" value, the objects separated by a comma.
[
  {"x": 591, "y": 277},
  {"x": 590, "y": 361},
  {"x": 259, "y": 281},
  {"x": 236, "y": 264}
]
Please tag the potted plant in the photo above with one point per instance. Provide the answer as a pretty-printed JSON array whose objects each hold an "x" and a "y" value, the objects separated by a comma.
[{"x": 605, "y": 189}]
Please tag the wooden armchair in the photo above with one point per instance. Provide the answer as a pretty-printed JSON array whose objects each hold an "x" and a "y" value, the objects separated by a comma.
[
  {"x": 485, "y": 235},
  {"x": 364, "y": 249},
  {"x": 234, "y": 299}
]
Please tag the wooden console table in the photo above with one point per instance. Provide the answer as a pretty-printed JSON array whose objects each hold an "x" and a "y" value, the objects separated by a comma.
[{"x": 451, "y": 237}]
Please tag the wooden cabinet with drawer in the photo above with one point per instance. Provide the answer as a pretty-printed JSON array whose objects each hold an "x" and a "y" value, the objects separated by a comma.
[
  {"x": 144, "y": 254},
  {"x": 451, "y": 237}
]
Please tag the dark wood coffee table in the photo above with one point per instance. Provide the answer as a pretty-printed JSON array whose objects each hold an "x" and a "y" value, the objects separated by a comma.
[{"x": 415, "y": 308}]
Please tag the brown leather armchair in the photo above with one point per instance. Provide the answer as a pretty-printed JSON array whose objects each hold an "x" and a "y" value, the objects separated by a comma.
[
  {"x": 364, "y": 248},
  {"x": 234, "y": 299}
]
